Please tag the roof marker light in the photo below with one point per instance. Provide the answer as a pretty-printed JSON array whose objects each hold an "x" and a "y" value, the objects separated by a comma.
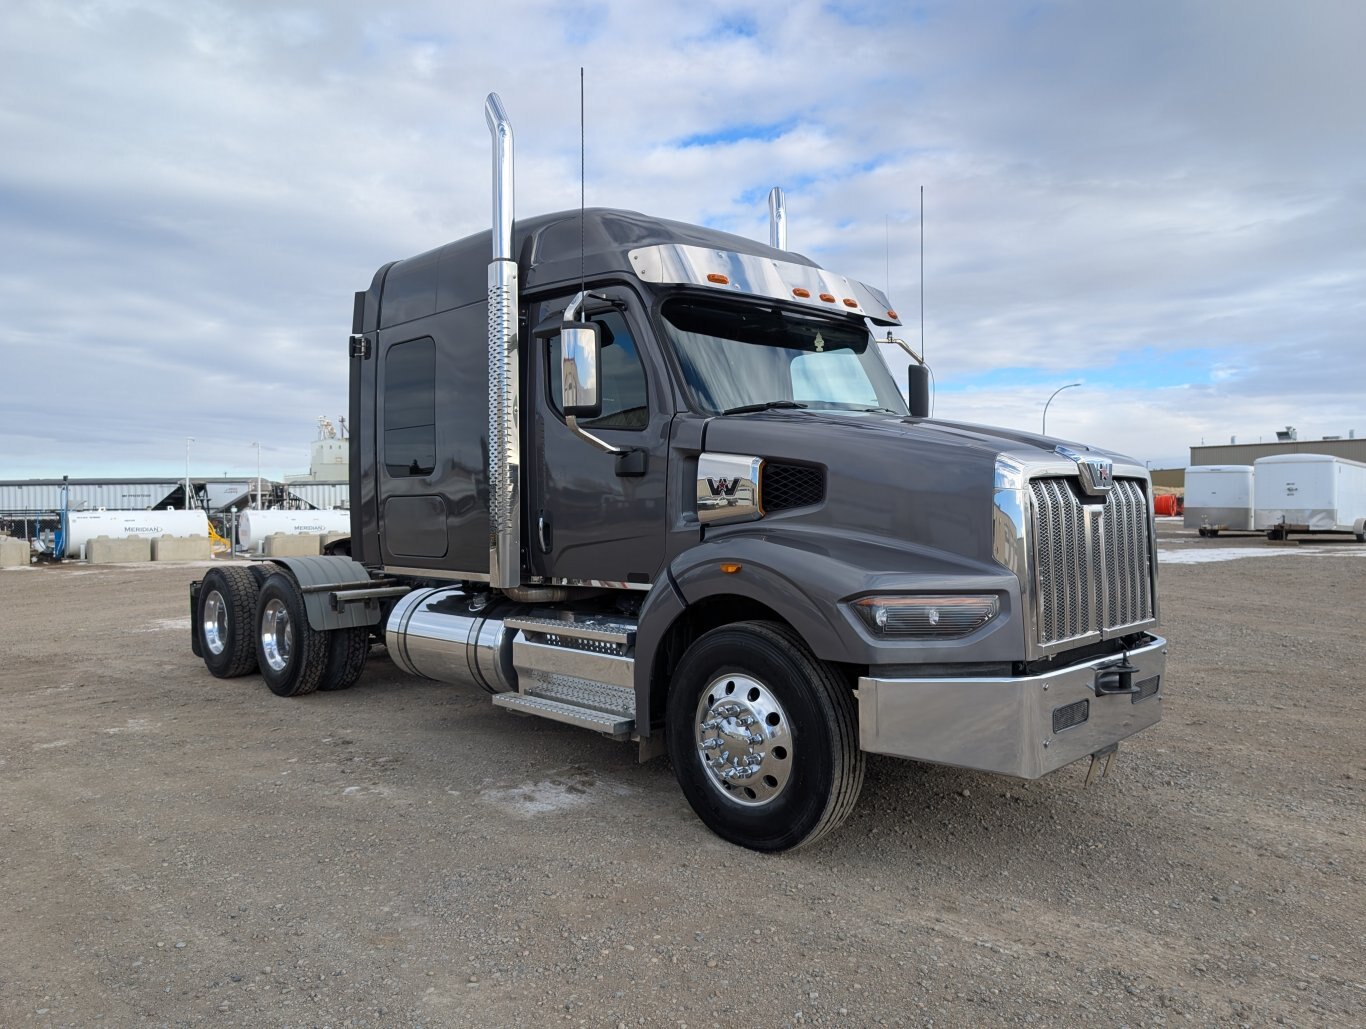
[
  {"x": 829, "y": 298},
  {"x": 718, "y": 278},
  {"x": 850, "y": 302},
  {"x": 799, "y": 292}
]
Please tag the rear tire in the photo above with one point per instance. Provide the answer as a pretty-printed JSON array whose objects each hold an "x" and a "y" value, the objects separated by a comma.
[
  {"x": 292, "y": 655},
  {"x": 763, "y": 737},
  {"x": 346, "y": 652},
  {"x": 223, "y": 622}
]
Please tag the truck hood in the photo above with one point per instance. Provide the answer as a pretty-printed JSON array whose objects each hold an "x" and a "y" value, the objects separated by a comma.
[
  {"x": 905, "y": 434},
  {"x": 898, "y": 479}
]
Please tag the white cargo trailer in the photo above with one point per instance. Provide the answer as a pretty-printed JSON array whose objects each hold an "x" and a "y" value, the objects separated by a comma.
[
  {"x": 1301, "y": 493},
  {"x": 1218, "y": 498}
]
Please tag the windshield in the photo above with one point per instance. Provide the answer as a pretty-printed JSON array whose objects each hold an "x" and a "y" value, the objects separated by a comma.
[{"x": 753, "y": 356}]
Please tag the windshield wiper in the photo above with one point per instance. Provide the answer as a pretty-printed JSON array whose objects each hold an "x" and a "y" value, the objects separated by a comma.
[{"x": 767, "y": 405}]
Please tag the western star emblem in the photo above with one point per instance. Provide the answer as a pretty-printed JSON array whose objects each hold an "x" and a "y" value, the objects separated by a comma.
[
  {"x": 723, "y": 487},
  {"x": 1097, "y": 474}
]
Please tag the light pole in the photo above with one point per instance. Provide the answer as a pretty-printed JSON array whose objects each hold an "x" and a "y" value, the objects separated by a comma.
[
  {"x": 1043, "y": 431},
  {"x": 257, "y": 505},
  {"x": 188, "y": 441}
]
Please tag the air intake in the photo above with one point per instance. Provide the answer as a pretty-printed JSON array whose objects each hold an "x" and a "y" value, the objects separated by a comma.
[{"x": 785, "y": 486}]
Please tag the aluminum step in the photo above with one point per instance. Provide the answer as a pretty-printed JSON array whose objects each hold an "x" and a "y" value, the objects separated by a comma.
[
  {"x": 544, "y": 660},
  {"x": 598, "y": 696},
  {"x": 616, "y": 725},
  {"x": 577, "y": 627}
]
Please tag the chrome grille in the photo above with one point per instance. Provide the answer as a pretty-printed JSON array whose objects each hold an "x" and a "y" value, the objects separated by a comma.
[{"x": 1092, "y": 562}]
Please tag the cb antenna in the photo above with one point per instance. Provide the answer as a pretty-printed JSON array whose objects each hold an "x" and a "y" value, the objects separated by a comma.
[
  {"x": 922, "y": 272},
  {"x": 582, "y": 176}
]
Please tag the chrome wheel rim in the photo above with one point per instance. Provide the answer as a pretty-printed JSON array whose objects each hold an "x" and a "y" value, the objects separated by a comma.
[
  {"x": 277, "y": 635},
  {"x": 215, "y": 623},
  {"x": 744, "y": 740}
]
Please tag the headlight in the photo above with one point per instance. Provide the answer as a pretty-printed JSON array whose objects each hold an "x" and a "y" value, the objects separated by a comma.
[{"x": 946, "y": 617}]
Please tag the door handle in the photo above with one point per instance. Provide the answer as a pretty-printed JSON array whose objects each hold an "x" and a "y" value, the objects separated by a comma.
[{"x": 543, "y": 532}]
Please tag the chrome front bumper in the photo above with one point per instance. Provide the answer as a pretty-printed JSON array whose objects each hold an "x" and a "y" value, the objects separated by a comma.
[{"x": 1008, "y": 725}]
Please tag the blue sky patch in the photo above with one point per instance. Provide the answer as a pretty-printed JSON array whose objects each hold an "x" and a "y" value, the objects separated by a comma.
[{"x": 738, "y": 134}]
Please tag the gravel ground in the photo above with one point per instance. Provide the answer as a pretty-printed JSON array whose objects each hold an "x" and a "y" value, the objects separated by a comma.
[{"x": 180, "y": 850}]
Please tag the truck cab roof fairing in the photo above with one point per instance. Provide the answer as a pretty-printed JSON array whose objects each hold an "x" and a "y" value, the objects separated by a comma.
[{"x": 547, "y": 249}]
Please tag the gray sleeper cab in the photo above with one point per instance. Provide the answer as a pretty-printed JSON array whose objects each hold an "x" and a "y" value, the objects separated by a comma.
[{"x": 749, "y": 553}]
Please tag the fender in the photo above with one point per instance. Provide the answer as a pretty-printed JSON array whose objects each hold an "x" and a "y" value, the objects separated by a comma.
[
  {"x": 313, "y": 572},
  {"x": 805, "y": 576}
]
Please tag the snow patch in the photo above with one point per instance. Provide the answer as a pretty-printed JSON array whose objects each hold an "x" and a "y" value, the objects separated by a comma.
[{"x": 1212, "y": 554}]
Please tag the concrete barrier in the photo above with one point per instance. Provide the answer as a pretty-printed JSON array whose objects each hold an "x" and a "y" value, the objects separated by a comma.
[
  {"x": 105, "y": 551},
  {"x": 182, "y": 548},
  {"x": 14, "y": 553},
  {"x": 280, "y": 544}
]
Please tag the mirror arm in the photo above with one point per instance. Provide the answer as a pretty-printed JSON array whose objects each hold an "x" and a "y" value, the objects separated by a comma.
[
  {"x": 583, "y": 434},
  {"x": 904, "y": 346}
]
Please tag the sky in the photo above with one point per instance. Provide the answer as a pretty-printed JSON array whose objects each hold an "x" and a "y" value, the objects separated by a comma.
[{"x": 1162, "y": 201}]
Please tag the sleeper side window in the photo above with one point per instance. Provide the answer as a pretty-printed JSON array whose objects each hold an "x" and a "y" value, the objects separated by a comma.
[
  {"x": 410, "y": 408},
  {"x": 625, "y": 402}
]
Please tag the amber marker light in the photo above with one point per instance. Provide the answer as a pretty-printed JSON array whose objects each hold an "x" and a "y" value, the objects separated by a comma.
[
  {"x": 718, "y": 278},
  {"x": 892, "y": 314},
  {"x": 849, "y": 302},
  {"x": 805, "y": 294},
  {"x": 829, "y": 298},
  {"x": 730, "y": 567}
]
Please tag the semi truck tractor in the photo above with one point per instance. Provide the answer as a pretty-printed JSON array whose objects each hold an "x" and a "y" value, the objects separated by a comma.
[{"x": 657, "y": 481}]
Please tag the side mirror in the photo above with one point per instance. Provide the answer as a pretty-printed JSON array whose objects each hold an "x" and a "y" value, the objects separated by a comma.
[
  {"x": 580, "y": 365},
  {"x": 918, "y": 393}
]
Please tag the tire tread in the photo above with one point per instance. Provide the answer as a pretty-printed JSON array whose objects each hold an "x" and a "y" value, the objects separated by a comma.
[{"x": 239, "y": 589}]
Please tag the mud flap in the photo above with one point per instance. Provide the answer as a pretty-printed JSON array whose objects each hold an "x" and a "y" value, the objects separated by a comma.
[{"x": 194, "y": 614}]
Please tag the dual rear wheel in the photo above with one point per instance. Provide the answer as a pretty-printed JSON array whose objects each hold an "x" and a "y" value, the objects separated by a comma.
[{"x": 251, "y": 619}]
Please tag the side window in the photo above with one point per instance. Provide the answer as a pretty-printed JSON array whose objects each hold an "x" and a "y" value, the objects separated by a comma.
[
  {"x": 410, "y": 408},
  {"x": 622, "y": 386}
]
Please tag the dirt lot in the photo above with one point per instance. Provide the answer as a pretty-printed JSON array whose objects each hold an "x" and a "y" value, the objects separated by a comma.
[{"x": 179, "y": 850}]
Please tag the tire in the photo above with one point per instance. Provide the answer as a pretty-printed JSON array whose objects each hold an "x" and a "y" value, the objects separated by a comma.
[
  {"x": 346, "y": 652},
  {"x": 291, "y": 654},
  {"x": 224, "y": 622},
  {"x": 809, "y": 769}
]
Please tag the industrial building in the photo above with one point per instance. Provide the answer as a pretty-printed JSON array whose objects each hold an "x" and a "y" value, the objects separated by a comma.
[
  {"x": 1287, "y": 441},
  {"x": 27, "y": 506}
]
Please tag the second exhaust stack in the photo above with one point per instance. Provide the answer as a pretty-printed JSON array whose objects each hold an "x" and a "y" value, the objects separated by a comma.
[{"x": 504, "y": 457}]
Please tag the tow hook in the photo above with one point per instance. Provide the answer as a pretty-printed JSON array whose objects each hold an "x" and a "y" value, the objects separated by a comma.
[
  {"x": 1101, "y": 759},
  {"x": 1116, "y": 678}
]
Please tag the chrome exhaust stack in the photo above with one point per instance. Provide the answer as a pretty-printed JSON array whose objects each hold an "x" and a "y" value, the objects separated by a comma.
[
  {"x": 777, "y": 218},
  {"x": 504, "y": 456}
]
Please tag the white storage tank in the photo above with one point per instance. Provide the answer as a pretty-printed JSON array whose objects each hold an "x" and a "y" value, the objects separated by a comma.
[
  {"x": 83, "y": 526},
  {"x": 254, "y": 526},
  {"x": 1218, "y": 497},
  {"x": 1310, "y": 493}
]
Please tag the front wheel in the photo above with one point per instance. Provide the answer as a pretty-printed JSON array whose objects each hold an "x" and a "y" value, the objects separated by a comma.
[
  {"x": 763, "y": 737},
  {"x": 292, "y": 654}
]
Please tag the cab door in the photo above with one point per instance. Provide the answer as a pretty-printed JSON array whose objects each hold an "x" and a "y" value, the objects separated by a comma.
[{"x": 596, "y": 516}]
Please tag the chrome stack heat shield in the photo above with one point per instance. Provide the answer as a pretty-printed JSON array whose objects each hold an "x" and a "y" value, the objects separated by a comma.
[{"x": 505, "y": 544}]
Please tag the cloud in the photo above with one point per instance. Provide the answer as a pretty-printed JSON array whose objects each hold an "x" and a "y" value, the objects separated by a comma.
[{"x": 1163, "y": 200}]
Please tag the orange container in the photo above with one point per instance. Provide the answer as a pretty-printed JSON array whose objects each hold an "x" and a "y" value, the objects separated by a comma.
[{"x": 1167, "y": 504}]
